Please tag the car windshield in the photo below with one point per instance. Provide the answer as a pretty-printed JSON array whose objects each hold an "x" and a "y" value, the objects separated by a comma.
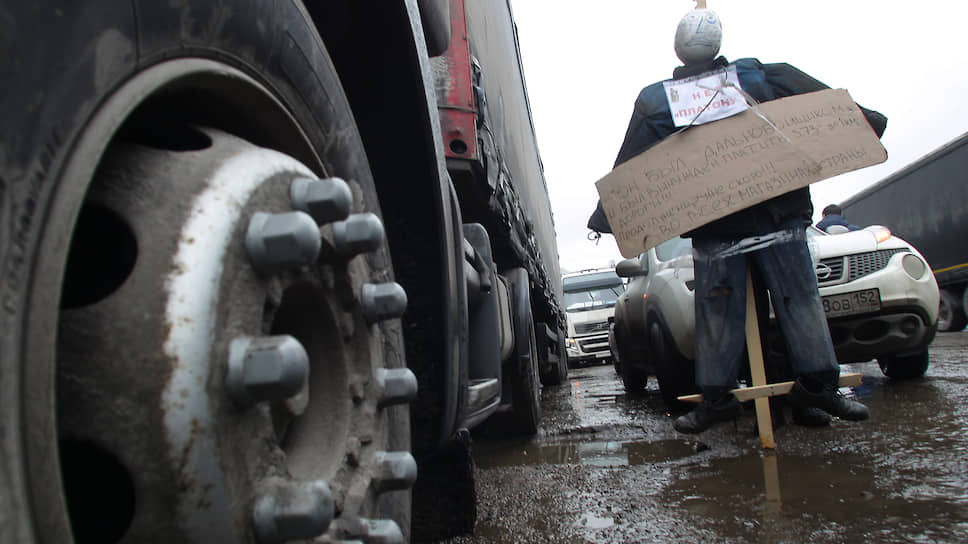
[
  {"x": 592, "y": 291},
  {"x": 676, "y": 247}
]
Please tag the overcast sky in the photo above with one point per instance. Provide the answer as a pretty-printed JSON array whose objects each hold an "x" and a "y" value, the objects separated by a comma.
[{"x": 585, "y": 62}]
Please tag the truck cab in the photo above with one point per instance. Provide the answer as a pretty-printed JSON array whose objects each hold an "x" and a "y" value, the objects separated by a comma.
[{"x": 590, "y": 297}]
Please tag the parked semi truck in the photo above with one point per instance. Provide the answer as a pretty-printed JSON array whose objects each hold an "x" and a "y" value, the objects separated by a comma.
[
  {"x": 926, "y": 203},
  {"x": 590, "y": 298},
  {"x": 264, "y": 265}
]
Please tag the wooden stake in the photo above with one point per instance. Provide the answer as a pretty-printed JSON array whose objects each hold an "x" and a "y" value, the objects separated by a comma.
[
  {"x": 773, "y": 389},
  {"x": 758, "y": 373}
]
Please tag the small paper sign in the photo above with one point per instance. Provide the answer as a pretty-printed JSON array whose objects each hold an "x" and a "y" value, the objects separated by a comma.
[
  {"x": 704, "y": 173},
  {"x": 704, "y": 98}
]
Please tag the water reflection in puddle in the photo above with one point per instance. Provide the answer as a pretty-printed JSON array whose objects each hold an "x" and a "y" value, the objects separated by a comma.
[{"x": 595, "y": 453}]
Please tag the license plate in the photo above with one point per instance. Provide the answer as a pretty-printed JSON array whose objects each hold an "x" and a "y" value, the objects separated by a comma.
[{"x": 855, "y": 302}]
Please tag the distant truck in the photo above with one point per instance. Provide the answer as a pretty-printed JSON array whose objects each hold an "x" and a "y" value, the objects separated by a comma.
[
  {"x": 590, "y": 297},
  {"x": 263, "y": 266},
  {"x": 926, "y": 204}
]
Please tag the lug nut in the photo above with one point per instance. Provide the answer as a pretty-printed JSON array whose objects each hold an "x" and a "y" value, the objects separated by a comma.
[
  {"x": 383, "y": 301},
  {"x": 292, "y": 511},
  {"x": 397, "y": 385},
  {"x": 283, "y": 240},
  {"x": 359, "y": 233},
  {"x": 271, "y": 368},
  {"x": 395, "y": 470},
  {"x": 326, "y": 200}
]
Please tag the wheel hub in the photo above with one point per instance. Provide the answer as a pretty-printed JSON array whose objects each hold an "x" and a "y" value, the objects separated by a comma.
[{"x": 233, "y": 366}]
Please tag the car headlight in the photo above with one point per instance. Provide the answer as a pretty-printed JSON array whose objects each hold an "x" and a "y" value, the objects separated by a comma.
[
  {"x": 914, "y": 266},
  {"x": 881, "y": 233}
]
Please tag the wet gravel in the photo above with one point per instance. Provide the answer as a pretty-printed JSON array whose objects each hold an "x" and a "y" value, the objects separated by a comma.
[{"x": 606, "y": 467}]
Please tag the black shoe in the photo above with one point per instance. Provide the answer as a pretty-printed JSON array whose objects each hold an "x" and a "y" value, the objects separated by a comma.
[
  {"x": 830, "y": 400},
  {"x": 708, "y": 413},
  {"x": 806, "y": 416}
]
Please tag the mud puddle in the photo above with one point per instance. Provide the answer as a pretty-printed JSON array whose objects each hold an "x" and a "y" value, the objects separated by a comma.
[
  {"x": 605, "y": 453},
  {"x": 607, "y": 467}
]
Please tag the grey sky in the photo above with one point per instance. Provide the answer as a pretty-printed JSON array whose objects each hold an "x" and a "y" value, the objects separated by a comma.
[{"x": 585, "y": 63}]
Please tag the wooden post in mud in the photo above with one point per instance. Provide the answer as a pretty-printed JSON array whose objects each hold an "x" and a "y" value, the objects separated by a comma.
[{"x": 764, "y": 422}]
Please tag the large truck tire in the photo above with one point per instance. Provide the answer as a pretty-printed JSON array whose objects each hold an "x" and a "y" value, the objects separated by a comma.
[
  {"x": 522, "y": 376},
  {"x": 952, "y": 312},
  {"x": 557, "y": 373},
  {"x": 448, "y": 497},
  {"x": 220, "y": 373}
]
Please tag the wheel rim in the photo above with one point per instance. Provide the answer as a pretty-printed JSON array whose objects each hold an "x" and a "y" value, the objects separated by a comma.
[{"x": 162, "y": 402}]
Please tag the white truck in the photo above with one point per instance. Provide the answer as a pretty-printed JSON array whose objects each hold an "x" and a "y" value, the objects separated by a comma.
[{"x": 590, "y": 297}]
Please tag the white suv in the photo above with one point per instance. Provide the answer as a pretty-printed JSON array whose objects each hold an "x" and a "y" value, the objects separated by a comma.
[{"x": 879, "y": 295}]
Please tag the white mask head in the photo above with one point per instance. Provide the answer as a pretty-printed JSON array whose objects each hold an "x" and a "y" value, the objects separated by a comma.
[{"x": 698, "y": 36}]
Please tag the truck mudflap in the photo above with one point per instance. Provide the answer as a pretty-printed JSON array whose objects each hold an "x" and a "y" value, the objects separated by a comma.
[
  {"x": 487, "y": 339},
  {"x": 553, "y": 363}
]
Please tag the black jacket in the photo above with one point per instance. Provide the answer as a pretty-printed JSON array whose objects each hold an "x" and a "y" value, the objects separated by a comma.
[{"x": 652, "y": 121}]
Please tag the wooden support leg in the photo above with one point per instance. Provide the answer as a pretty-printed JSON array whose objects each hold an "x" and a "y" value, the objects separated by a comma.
[{"x": 757, "y": 371}]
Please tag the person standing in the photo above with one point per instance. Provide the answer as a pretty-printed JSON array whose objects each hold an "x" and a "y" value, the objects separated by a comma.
[
  {"x": 833, "y": 215},
  {"x": 770, "y": 237}
]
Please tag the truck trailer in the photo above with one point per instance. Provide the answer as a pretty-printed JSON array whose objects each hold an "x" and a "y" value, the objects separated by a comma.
[
  {"x": 264, "y": 267},
  {"x": 926, "y": 203}
]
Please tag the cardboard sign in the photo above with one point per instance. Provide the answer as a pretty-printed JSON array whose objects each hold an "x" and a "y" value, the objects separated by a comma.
[{"x": 707, "y": 172}]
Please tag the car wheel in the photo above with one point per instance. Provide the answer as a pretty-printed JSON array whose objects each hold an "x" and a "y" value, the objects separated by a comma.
[
  {"x": 904, "y": 367},
  {"x": 676, "y": 374},
  {"x": 168, "y": 329},
  {"x": 614, "y": 347},
  {"x": 633, "y": 378},
  {"x": 951, "y": 313}
]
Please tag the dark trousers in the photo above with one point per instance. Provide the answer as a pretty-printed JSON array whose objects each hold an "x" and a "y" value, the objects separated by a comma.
[{"x": 786, "y": 270}]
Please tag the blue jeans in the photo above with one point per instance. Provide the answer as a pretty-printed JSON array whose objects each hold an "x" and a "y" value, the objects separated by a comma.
[{"x": 786, "y": 270}]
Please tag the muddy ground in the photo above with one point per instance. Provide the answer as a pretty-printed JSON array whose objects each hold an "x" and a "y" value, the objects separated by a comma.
[{"x": 606, "y": 467}]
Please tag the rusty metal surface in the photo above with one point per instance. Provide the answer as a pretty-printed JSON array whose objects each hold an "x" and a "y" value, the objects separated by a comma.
[{"x": 453, "y": 78}]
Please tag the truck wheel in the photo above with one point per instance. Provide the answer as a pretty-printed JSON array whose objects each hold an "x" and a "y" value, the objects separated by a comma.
[
  {"x": 562, "y": 358},
  {"x": 906, "y": 367},
  {"x": 557, "y": 373},
  {"x": 525, "y": 413},
  {"x": 951, "y": 313},
  {"x": 219, "y": 373},
  {"x": 676, "y": 374},
  {"x": 449, "y": 498}
]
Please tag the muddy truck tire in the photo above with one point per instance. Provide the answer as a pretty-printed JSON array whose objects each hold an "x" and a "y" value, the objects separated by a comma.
[{"x": 195, "y": 276}]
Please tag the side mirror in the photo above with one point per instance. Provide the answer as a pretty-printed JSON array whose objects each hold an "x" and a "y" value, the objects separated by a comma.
[{"x": 630, "y": 268}]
